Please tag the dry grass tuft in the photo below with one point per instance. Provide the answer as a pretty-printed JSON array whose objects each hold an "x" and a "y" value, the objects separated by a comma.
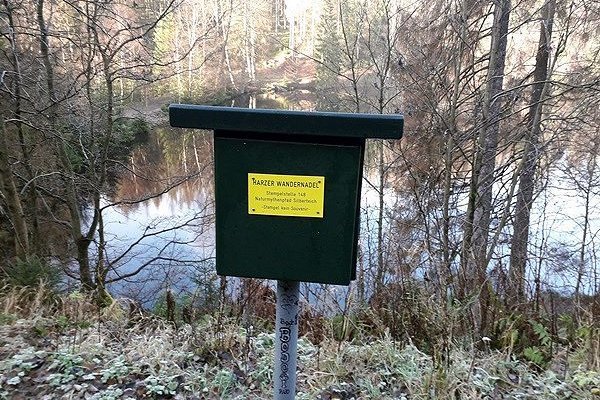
[{"x": 28, "y": 302}]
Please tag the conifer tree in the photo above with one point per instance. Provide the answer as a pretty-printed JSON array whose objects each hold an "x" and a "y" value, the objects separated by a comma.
[{"x": 330, "y": 57}]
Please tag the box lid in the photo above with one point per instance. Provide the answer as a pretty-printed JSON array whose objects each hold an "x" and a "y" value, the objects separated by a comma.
[{"x": 313, "y": 123}]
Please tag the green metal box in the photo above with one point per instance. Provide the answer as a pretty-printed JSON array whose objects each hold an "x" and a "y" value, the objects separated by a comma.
[{"x": 287, "y": 189}]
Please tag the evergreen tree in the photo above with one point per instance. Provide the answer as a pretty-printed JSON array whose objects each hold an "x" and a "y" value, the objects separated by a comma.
[{"x": 329, "y": 55}]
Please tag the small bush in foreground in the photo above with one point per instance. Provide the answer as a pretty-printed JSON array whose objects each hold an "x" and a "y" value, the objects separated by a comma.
[{"x": 30, "y": 272}]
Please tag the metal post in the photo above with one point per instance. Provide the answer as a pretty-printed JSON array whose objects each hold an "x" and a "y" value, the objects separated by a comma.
[{"x": 286, "y": 339}]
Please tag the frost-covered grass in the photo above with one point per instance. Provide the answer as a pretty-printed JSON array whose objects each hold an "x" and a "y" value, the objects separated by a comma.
[
  {"x": 111, "y": 357},
  {"x": 111, "y": 360}
]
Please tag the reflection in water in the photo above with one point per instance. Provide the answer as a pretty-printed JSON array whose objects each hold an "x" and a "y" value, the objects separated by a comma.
[
  {"x": 171, "y": 157},
  {"x": 159, "y": 222}
]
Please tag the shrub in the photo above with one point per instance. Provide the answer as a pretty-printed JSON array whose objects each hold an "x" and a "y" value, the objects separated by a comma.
[{"x": 31, "y": 272}]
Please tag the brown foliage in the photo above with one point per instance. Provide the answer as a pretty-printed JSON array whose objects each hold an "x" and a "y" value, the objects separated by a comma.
[
  {"x": 408, "y": 314},
  {"x": 258, "y": 300}
]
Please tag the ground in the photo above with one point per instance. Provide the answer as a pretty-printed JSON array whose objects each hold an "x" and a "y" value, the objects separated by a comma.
[{"x": 112, "y": 355}]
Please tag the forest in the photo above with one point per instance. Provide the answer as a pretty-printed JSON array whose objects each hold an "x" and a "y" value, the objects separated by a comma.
[{"x": 478, "y": 228}]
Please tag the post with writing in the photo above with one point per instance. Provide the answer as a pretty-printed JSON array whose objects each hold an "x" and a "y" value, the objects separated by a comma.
[{"x": 286, "y": 339}]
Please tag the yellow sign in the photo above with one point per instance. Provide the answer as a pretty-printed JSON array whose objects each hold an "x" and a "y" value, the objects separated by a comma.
[{"x": 286, "y": 195}]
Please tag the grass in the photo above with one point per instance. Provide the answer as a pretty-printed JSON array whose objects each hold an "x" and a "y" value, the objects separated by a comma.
[{"x": 67, "y": 348}]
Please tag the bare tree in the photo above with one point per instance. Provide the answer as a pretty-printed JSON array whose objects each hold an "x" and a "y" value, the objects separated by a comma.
[
  {"x": 479, "y": 211},
  {"x": 531, "y": 154},
  {"x": 10, "y": 194}
]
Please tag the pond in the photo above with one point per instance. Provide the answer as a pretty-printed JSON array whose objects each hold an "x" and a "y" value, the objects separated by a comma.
[{"x": 159, "y": 222}]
